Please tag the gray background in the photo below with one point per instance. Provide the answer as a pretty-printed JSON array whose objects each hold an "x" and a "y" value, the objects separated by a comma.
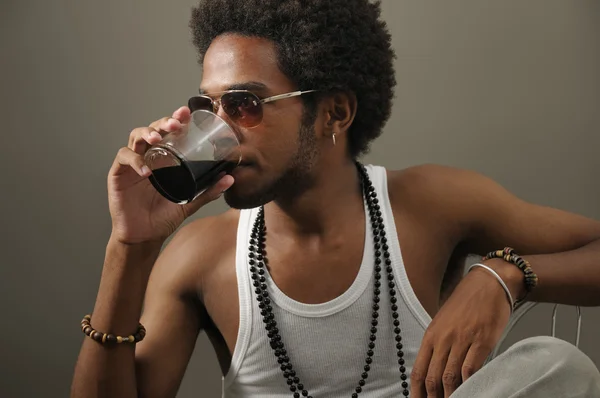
[{"x": 508, "y": 88}]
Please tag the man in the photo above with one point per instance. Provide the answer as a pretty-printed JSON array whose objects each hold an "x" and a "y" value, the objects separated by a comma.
[{"x": 302, "y": 287}]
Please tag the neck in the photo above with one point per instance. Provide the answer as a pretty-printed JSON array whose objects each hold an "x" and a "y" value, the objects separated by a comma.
[{"x": 334, "y": 199}]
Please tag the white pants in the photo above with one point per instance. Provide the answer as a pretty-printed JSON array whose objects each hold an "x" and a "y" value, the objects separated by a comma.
[{"x": 534, "y": 368}]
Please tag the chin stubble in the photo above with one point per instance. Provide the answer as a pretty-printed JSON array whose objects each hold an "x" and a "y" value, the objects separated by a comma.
[{"x": 293, "y": 182}]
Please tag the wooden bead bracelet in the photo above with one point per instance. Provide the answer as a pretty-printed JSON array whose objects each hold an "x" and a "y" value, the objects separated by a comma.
[
  {"x": 509, "y": 255},
  {"x": 104, "y": 338}
]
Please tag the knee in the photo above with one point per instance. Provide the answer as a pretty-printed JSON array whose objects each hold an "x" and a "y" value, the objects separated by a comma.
[
  {"x": 547, "y": 366},
  {"x": 555, "y": 355},
  {"x": 550, "y": 346}
]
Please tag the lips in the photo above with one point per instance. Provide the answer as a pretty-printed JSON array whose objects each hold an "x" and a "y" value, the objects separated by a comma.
[
  {"x": 246, "y": 162},
  {"x": 240, "y": 171}
]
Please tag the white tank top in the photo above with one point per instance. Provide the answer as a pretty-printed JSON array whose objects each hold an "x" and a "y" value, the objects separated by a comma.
[{"x": 326, "y": 343}]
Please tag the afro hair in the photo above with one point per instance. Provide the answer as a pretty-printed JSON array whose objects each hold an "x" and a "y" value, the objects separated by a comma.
[{"x": 329, "y": 45}]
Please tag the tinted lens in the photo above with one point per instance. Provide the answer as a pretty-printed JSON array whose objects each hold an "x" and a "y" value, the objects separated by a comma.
[
  {"x": 200, "y": 103},
  {"x": 243, "y": 108}
]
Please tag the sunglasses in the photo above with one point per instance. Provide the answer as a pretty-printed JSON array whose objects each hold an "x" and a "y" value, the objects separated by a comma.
[{"x": 243, "y": 107}]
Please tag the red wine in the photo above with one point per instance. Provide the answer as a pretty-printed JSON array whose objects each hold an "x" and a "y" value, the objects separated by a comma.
[{"x": 182, "y": 183}]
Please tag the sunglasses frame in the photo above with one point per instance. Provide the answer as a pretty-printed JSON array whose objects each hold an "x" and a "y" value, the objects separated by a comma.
[{"x": 216, "y": 103}]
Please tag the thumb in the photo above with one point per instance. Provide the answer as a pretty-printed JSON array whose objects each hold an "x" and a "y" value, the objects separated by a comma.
[
  {"x": 182, "y": 114},
  {"x": 209, "y": 195}
]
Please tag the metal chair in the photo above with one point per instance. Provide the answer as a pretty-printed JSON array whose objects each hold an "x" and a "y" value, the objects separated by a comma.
[{"x": 519, "y": 312}]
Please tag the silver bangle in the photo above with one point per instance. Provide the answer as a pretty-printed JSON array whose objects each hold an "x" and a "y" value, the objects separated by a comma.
[{"x": 491, "y": 271}]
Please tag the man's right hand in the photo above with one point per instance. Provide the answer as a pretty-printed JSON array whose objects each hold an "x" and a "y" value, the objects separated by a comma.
[{"x": 139, "y": 213}]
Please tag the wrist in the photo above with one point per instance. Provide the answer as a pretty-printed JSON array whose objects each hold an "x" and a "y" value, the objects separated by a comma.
[
  {"x": 134, "y": 240},
  {"x": 140, "y": 256},
  {"x": 512, "y": 276},
  {"x": 119, "y": 245}
]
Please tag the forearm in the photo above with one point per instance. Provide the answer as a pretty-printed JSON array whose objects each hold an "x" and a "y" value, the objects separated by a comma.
[
  {"x": 105, "y": 370},
  {"x": 571, "y": 277}
]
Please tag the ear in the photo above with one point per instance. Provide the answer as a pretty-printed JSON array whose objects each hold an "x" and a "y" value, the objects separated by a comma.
[{"x": 340, "y": 111}]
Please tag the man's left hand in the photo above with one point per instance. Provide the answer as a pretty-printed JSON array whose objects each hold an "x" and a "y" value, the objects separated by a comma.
[{"x": 461, "y": 336}]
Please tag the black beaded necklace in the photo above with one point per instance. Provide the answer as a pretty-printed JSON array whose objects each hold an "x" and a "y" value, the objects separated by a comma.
[{"x": 258, "y": 262}]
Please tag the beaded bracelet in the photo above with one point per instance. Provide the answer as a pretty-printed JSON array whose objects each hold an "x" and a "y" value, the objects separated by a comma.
[
  {"x": 103, "y": 338},
  {"x": 509, "y": 255}
]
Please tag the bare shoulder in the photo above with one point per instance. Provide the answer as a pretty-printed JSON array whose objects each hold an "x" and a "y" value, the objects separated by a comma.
[
  {"x": 208, "y": 234},
  {"x": 428, "y": 179},
  {"x": 196, "y": 249},
  {"x": 432, "y": 186},
  {"x": 458, "y": 197}
]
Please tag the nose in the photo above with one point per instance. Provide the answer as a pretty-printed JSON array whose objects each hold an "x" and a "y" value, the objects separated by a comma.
[
  {"x": 217, "y": 106},
  {"x": 219, "y": 111}
]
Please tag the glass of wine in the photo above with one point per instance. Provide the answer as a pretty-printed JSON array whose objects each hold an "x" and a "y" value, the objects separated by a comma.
[{"x": 186, "y": 163}]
